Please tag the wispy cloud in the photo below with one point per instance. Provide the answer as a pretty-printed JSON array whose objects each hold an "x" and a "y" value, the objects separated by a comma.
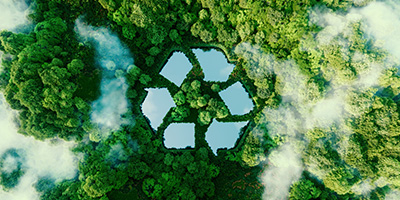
[
  {"x": 13, "y": 14},
  {"x": 50, "y": 158},
  {"x": 38, "y": 159},
  {"x": 113, "y": 57},
  {"x": 297, "y": 113},
  {"x": 392, "y": 195},
  {"x": 284, "y": 169},
  {"x": 303, "y": 106}
]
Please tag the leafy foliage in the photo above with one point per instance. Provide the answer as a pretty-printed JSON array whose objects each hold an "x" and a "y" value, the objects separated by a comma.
[
  {"x": 51, "y": 79},
  {"x": 12, "y": 168}
]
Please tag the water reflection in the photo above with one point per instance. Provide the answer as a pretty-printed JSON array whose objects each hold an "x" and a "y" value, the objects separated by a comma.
[
  {"x": 215, "y": 68},
  {"x": 237, "y": 99},
  {"x": 156, "y": 105},
  {"x": 176, "y": 68},
  {"x": 179, "y": 135},
  {"x": 214, "y": 64},
  {"x": 223, "y": 135}
]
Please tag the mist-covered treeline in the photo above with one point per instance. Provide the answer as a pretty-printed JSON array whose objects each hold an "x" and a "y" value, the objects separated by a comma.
[{"x": 323, "y": 76}]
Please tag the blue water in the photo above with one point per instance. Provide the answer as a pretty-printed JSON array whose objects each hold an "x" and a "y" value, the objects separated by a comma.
[
  {"x": 220, "y": 135},
  {"x": 237, "y": 99},
  {"x": 214, "y": 64},
  {"x": 176, "y": 68},
  {"x": 215, "y": 68},
  {"x": 179, "y": 135},
  {"x": 156, "y": 105}
]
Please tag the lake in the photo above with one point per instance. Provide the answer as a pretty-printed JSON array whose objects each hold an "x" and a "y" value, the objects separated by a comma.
[
  {"x": 156, "y": 105},
  {"x": 216, "y": 68}
]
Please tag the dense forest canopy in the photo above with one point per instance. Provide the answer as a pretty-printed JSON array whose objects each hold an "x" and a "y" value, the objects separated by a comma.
[{"x": 322, "y": 75}]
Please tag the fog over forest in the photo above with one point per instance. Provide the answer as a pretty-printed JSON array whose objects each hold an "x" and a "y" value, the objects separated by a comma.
[
  {"x": 295, "y": 116},
  {"x": 50, "y": 159},
  {"x": 115, "y": 60}
]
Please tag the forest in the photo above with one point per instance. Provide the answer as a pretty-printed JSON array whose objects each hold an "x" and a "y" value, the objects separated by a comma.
[{"x": 322, "y": 75}]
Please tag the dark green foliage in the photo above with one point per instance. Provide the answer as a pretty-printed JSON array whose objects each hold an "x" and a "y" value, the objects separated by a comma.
[
  {"x": 14, "y": 43},
  {"x": 44, "y": 184},
  {"x": 180, "y": 113},
  {"x": 373, "y": 148},
  {"x": 52, "y": 79},
  {"x": 193, "y": 96},
  {"x": 75, "y": 67},
  {"x": 304, "y": 190},
  {"x": 204, "y": 118},
  {"x": 43, "y": 80},
  {"x": 11, "y": 168},
  {"x": 179, "y": 98}
]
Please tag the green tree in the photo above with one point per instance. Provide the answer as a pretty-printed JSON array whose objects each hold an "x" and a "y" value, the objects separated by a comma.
[
  {"x": 304, "y": 189},
  {"x": 51, "y": 30},
  {"x": 179, "y": 98},
  {"x": 202, "y": 101},
  {"x": 11, "y": 168},
  {"x": 152, "y": 189},
  {"x": 196, "y": 85},
  {"x": 14, "y": 43},
  {"x": 75, "y": 67},
  {"x": 180, "y": 113},
  {"x": 174, "y": 36},
  {"x": 204, "y": 118}
]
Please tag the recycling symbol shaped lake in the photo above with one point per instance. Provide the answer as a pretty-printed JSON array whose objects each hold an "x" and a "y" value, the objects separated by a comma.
[{"x": 203, "y": 97}]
